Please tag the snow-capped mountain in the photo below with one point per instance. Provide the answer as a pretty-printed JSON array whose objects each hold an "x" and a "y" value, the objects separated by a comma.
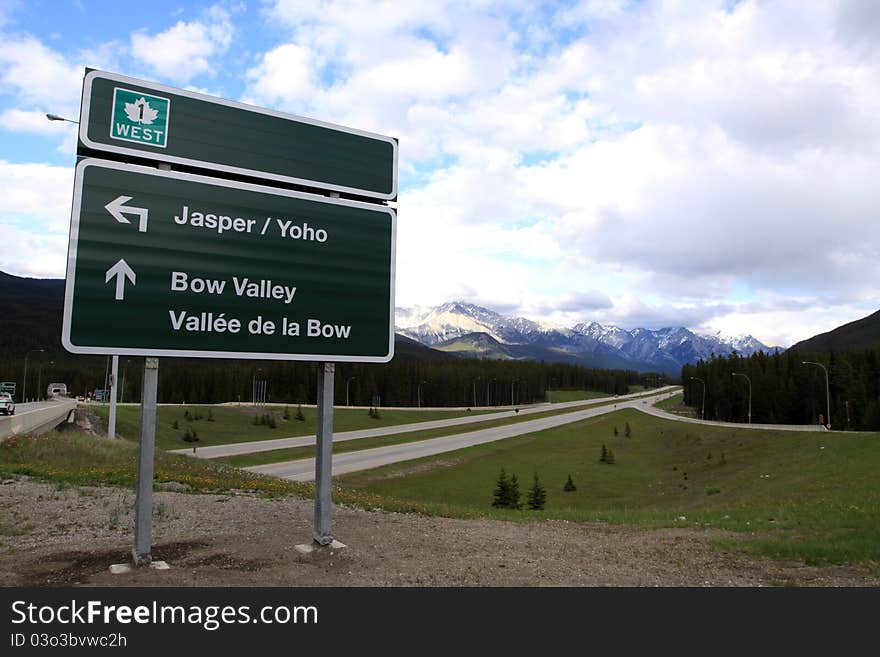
[{"x": 666, "y": 349}]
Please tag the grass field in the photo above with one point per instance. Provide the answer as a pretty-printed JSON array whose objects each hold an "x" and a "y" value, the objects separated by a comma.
[
  {"x": 559, "y": 396},
  {"x": 806, "y": 496},
  {"x": 221, "y": 425},
  {"x": 294, "y": 453},
  {"x": 810, "y": 496},
  {"x": 675, "y": 404},
  {"x": 81, "y": 459}
]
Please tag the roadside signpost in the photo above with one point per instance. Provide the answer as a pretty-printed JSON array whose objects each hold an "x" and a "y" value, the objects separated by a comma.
[{"x": 270, "y": 240}]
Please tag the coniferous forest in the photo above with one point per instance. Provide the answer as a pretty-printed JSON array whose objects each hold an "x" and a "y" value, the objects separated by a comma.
[
  {"x": 402, "y": 382},
  {"x": 786, "y": 391}
]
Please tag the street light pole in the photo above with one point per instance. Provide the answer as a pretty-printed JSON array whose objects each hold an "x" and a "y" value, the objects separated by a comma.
[
  {"x": 347, "y": 381},
  {"x": 750, "y": 392},
  {"x": 703, "y": 406},
  {"x": 24, "y": 390},
  {"x": 40, "y": 375},
  {"x": 55, "y": 117},
  {"x": 827, "y": 390}
]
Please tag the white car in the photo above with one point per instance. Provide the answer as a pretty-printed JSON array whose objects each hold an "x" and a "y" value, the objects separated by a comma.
[{"x": 7, "y": 405}]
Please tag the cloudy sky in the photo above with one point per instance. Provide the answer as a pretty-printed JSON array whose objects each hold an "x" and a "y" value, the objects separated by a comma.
[{"x": 707, "y": 163}]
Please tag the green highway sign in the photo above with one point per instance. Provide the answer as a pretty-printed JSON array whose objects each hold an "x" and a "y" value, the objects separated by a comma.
[
  {"x": 135, "y": 119},
  {"x": 166, "y": 263}
]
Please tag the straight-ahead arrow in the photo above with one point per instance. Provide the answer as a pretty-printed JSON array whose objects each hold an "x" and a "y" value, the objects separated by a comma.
[
  {"x": 117, "y": 208},
  {"x": 121, "y": 271}
]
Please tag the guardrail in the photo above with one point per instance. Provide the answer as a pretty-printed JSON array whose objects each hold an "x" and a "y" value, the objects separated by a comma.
[{"x": 36, "y": 418}]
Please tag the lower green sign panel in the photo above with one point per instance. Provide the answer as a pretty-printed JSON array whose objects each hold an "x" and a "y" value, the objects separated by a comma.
[{"x": 163, "y": 263}]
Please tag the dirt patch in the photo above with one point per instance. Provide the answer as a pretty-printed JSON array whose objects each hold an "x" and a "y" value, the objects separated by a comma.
[
  {"x": 406, "y": 471},
  {"x": 74, "y": 534}
]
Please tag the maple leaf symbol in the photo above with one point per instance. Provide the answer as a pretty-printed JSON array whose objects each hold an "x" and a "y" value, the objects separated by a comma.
[{"x": 140, "y": 112}]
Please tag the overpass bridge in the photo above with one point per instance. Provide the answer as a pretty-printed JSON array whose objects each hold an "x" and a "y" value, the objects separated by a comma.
[{"x": 36, "y": 417}]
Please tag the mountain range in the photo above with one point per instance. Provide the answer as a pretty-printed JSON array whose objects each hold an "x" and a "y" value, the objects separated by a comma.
[
  {"x": 472, "y": 330},
  {"x": 33, "y": 317}
]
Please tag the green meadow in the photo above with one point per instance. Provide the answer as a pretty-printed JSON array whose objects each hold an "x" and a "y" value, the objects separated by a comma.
[
  {"x": 812, "y": 496},
  {"x": 221, "y": 425}
]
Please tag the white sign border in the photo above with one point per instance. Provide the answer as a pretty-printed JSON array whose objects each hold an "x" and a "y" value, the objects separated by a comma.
[{"x": 70, "y": 277}]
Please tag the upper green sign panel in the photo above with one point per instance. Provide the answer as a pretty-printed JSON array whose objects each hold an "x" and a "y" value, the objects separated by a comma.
[
  {"x": 166, "y": 263},
  {"x": 141, "y": 119}
]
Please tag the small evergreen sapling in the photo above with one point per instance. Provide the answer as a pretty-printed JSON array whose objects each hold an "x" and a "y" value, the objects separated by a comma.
[
  {"x": 537, "y": 495},
  {"x": 299, "y": 413},
  {"x": 513, "y": 497},
  {"x": 569, "y": 485},
  {"x": 502, "y": 491},
  {"x": 627, "y": 431}
]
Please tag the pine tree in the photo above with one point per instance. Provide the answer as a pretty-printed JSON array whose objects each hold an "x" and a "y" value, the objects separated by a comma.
[
  {"x": 615, "y": 432},
  {"x": 513, "y": 494},
  {"x": 603, "y": 458},
  {"x": 299, "y": 413},
  {"x": 502, "y": 491},
  {"x": 610, "y": 458},
  {"x": 286, "y": 415},
  {"x": 537, "y": 495},
  {"x": 627, "y": 431},
  {"x": 569, "y": 485}
]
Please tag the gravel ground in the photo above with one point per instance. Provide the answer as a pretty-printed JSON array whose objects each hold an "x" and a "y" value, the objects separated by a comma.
[{"x": 69, "y": 536}]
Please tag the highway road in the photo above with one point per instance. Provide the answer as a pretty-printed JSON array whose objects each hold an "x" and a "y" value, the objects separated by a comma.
[
  {"x": 304, "y": 469},
  {"x": 35, "y": 417},
  {"x": 251, "y": 447},
  {"x": 653, "y": 410}
]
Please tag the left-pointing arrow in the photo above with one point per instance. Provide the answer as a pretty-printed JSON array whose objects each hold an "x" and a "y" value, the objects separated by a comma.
[
  {"x": 118, "y": 209},
  {"x": 121, "y": 271}
]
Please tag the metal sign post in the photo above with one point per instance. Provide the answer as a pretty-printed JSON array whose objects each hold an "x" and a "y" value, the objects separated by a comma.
[
  {"x": 324, "y": 455},
  {"x": 114, "y": 375},
  {"x": 143, "y": 520}
]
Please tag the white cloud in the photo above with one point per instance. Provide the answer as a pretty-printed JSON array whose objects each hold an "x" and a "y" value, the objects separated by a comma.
[
  {"x": 31, "y": 254},
  {"x": 284, "y": 75},
  {"x": 187, "y": 49},
  {"x": 32, "y": 121},
  {"x": 37, "y": 196},
  {"x": 37, "y": 74}
]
